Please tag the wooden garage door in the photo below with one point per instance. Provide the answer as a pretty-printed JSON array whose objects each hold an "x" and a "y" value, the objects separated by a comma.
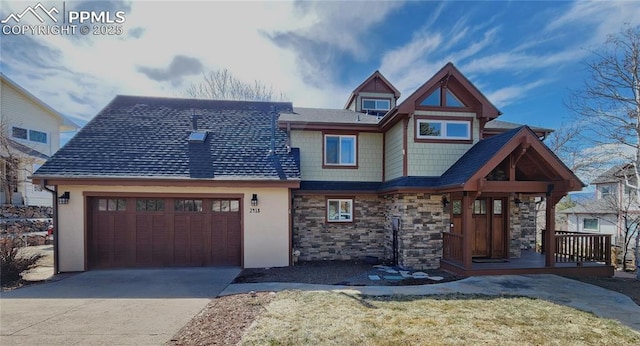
[{"x": 157, "y": 232}]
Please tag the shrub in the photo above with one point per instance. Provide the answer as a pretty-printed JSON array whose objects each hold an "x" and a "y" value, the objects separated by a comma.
[{"x": 13, "y": 262}]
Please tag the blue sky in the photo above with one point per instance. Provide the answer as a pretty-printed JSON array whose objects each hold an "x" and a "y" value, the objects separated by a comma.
[{"x": 524, "y": 56}]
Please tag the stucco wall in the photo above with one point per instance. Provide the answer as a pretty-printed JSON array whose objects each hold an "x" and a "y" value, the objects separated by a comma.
[
  {"x": 369, "y": 158},
  {"x": 393, "y": 152},
  {"x": 433, "y": 159},
  {"x": 266, "y": 235}
]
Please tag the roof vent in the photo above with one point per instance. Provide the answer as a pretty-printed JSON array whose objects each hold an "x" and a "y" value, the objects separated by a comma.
[{"x": 197, "y": 136}]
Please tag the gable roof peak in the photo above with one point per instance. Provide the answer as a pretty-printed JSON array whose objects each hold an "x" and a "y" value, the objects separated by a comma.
[
  {"x": 485, "y": 108},
  {"x": 375, "y": 75}
]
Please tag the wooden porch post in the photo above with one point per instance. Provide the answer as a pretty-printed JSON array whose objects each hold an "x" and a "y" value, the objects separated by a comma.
[
  {"x": 550, "y": 235},
  {"x": 467, "y": 231}
]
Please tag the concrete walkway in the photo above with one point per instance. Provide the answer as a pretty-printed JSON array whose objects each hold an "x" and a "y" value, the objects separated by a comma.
[
  {"x": 109, "y": 307},
  {"x": 556, "y": 289}
]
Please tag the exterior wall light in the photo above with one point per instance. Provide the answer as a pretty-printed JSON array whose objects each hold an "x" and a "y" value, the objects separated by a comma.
[
  {"x": 445, "y": 201},
  {"x": 517, "y": 200},
  {"x": 64, "y": 198},
  {"x": 254, "y": 200}
]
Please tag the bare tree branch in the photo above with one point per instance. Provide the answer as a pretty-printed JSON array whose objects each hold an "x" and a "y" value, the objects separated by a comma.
[
  {"x": 608, "y": 105},
  {"x": 223, "y": 85}
]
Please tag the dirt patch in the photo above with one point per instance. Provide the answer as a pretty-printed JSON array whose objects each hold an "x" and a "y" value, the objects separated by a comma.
[
  {"x": 351, "y": 273},
  {"x": 223, "y": 321}
]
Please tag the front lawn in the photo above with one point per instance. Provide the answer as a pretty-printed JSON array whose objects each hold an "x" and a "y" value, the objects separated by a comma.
[{"x": 310, "y": 318}]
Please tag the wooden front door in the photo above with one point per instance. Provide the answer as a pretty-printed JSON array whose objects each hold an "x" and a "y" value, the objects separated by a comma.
[{"x": 489, "y": 227}]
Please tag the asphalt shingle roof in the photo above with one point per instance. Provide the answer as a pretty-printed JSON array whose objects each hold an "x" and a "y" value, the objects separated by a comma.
[
  {"x": 148, "y": 137},
  {"x": 475, "y": 158},
  {"x": 322, "y": 115}
]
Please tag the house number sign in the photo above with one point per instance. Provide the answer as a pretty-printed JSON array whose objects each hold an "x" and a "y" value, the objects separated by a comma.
[{"x": 254, "y": 210}]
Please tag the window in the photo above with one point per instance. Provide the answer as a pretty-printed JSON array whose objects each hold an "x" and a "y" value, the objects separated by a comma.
[
  {"x": 590, "y": 224},
  {"x": 480, "y": 207},
  {"x": 376, "y": 105},
  {"x": 340, "y": 210},
  {"x": 112, "y": 204},
  {"x": 150, "y": 205},
  {"x": 340, "y": 150},
  {"x": 37, "y": 136},
  {"x": 456, "y": 207},
  {"x": 444, "y": 129},
  {"x": 225, "y": 206},
  {"x": 606, "y": 191},
  {"x": 188, "y": 205},
  {"x": 19, "y": 132},
  {"x": 497, "y": 207},
  {"x": 34, "y": 136},
  {"x": 435, "y": 99}
]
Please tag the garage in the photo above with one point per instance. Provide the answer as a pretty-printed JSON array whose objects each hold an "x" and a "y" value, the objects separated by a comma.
[{"x": 160, "y": 232}]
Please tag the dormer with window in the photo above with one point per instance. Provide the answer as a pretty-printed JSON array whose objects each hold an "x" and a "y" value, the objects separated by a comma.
[{"x": 375, "y": 96}]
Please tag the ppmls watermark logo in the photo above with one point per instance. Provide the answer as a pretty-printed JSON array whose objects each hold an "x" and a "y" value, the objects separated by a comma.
[{"x": 43, "y": 20}]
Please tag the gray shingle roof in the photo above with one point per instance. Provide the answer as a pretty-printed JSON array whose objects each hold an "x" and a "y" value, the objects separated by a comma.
[
  {"x": 615, "y": 174},
  {"x": 505, "y": 125},
  {"x": 135, "y": 137},
  {"x": 333, "y": 116},
  {"x": 475, "y": 158}
]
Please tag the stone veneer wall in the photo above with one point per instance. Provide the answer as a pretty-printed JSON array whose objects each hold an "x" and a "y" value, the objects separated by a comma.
[
  {"x": 422, "y": 222},
  {"x": 317, "y": 239},
  {"x": 523, "y": 227},
  {"x": 420, "y": 235}
]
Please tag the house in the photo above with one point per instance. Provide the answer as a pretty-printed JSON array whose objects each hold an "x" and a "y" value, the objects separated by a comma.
[
  {"x": 31, "y": 134},
  {"x": 614, "y": 211},
  {"x": 426, "y": 182}
]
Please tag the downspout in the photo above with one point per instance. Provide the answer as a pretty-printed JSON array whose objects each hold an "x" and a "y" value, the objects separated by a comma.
[{"x": 56, "y": 231}]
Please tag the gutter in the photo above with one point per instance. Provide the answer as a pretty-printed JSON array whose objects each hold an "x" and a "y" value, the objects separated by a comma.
[{"x": 56, "y": 231}]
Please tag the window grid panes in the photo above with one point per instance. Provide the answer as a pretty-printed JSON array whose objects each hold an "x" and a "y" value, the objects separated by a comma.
[
  {"x": 480, "y": 207},
  {"x": 112, "y": 204},
  {"x": 225, "y": 205},
  {"x": 150, "y": 205},
  {"x": 444, "y": 129},
  {"x": 188, "y": 205},
  {"x": 340, "y": 150},
  {"x": 340, "y": 210}
]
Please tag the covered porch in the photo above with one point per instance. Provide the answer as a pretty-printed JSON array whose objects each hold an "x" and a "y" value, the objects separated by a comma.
[
  {"x": 579, "y": 259},
  {"x": 484, "y": 235}
]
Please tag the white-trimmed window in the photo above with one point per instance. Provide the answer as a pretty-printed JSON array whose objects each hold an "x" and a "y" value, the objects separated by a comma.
[
  {"x": 37, "y": 136},
  {"x": 19, "y": 132},
  {"x": 340, "y": 210},
  {"x": 376, "y": 104},
  {"x": 606, "y": 191},
  {"x": 340, "y": 150},
  {"x": 590, "y": 224},
  {"x": 32, "y": 135},
  {"x": 444, "y": 129}
]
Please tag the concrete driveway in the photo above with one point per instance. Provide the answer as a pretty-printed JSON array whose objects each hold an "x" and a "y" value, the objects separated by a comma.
[{"x": 109, "y": 307}]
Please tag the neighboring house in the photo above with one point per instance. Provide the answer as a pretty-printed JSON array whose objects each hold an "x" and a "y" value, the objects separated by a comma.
[
  {"x": 32, "y": 134},
  {"x": 614, "y": 203},
  {"x": 427, "y": 182}
]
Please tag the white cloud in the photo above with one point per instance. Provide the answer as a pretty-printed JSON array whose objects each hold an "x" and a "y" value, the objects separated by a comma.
[{"x": 512, "y": 93}]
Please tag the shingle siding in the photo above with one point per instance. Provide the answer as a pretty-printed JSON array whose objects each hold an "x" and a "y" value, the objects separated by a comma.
[
  {"x": 369, "y": 158},
  {"x": 393, "y": 152}
]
